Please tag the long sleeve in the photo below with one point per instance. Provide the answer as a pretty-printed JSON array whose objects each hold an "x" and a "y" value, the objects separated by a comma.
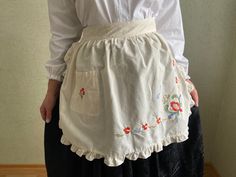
[
  {"x": 170, "y": 26},
  {"x": 65, "y": 28}
]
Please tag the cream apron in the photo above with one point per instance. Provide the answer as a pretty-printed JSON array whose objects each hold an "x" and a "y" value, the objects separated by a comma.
[{"x": 123, "y": 94}]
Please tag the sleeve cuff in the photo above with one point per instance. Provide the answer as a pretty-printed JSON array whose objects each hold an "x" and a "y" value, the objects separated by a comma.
[
  {"x": 55, "y": 77},
  {"x": 55, "y": 72}
]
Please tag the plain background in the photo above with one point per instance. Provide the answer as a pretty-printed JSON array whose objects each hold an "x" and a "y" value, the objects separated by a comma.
[{"x": 210, "y": 47}]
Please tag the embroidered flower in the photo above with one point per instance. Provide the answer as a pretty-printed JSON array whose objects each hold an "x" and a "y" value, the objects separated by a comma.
[
  {"x": 136, "y": 130},
  {"x": 127, "y": 130},
  {"x": 173, "y": 62},
  {"x": 172, "y": 105},
  {"x": 145, "y": 126},
  {"x": 158, "y": 120},
  {"x": 82, "y": 92},
  {"x": 176, "y": 80},
  {"x": 175, "y": 106}
]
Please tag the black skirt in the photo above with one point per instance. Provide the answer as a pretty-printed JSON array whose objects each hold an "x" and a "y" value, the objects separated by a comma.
[{"x": 185, "y": 159}]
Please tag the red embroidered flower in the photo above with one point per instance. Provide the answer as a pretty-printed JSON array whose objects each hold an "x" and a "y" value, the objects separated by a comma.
[
  {"x": 158, "y": 120},
  {"x": 82, "y": 92},
  {"x": 145, "y": 126},
  {"x": 176, "y": 80},
  {"x": 175, "y": 106},
  {"x": 127, "y": 130}
]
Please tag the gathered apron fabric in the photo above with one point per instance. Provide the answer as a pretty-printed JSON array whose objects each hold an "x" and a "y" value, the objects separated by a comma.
[
  {"x": 123, "y": 95},
  {"x": 185, "y": 159}
]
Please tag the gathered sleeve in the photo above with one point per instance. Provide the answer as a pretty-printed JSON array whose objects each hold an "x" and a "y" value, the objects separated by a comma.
[
  {"x": 65, "y": 28},
  {"x": 170, "y": 26}
]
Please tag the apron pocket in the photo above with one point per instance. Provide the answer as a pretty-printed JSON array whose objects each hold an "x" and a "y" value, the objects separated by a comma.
[{"x": 86, "y": 98}]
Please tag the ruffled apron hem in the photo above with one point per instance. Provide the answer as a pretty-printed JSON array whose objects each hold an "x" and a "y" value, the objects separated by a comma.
[{"x": 115, "y": 159}]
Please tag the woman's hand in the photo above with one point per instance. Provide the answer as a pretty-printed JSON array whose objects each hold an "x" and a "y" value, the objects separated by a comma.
[
  {"x": 194, "y": 93},
  {"x": 50, "y": 100}
]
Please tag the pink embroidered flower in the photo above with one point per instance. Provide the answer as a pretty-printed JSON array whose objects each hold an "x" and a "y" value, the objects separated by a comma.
[
  {"x": 175, "y": 106},
  {"x": 82, "y": 92},
  {"x": 173, "y": 62},
  {"x": 158, "y": 120},
  {"x": 127, "y": 130},
  {"x": 145, "y": 126}
]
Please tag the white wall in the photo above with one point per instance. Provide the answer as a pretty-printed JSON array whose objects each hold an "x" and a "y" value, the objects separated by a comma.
[
  {"x": 224, "y": 151},
  {"x": 24, "y": 34},
  {"x": 209, "y": 30}
]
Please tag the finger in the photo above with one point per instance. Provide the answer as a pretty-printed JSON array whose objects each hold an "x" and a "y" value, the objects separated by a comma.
[
  {"x": 195, "y": 97},
  {"x": 48, "y": 115},
  {"x": 43, "y": 112}
]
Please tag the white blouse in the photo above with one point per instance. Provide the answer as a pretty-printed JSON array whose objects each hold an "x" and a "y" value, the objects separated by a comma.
[{"x": 69, "y": 17}]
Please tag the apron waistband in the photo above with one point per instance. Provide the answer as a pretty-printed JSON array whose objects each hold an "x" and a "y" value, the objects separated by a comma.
[{"x": 119, "y": 29}]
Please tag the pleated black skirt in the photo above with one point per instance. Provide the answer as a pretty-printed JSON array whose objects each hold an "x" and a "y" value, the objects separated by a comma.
[{"x": 185, "y": 159}]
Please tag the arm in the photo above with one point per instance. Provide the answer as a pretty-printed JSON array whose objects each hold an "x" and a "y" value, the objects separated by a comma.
[
  {"x": 170, "y": 26},
  {"x": 65, "y": 28}
]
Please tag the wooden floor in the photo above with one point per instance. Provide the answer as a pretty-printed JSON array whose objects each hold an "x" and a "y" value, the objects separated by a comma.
[
  {"x": 22, "y": 171},
  {"x": 210, "y": 171},
  {"x": 40, "y": 171}
]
